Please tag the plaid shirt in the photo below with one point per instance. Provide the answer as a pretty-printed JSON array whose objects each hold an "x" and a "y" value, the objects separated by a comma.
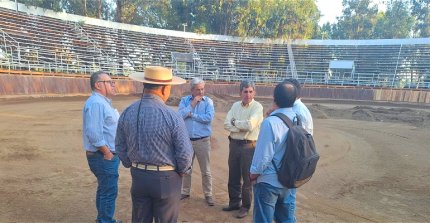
[{"x": 161, "y": 139}]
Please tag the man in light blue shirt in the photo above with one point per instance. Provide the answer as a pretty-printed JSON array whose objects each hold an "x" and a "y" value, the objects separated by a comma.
[
  {"x": 100, "y": 121},
  {"x": 272, "y": 201},
  {"x": 198, "y": 111}
]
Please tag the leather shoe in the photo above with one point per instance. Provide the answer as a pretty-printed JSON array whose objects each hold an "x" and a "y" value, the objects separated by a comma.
[
  {"x": 230, "y": 208},
  {"x": 184, "y": 196},
  {"x": 243, "y": 212},
  {"x": 210, "y": 200}
]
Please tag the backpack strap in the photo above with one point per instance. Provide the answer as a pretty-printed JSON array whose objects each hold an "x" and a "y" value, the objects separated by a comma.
[
  {"x": 287, "y": 122},
  {"x": 285, "y": 119}
]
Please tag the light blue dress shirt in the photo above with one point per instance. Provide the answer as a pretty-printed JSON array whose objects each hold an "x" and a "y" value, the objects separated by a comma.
[
  {"x": 271, "y": 144},
  {"x": 199, "y": 124},
  {"x": 100, "y": 121}
]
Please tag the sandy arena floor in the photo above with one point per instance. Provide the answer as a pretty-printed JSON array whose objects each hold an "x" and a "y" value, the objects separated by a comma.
[{"x": 374, "y": 164}]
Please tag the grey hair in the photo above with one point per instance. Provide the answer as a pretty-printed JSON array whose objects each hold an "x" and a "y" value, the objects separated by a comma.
[
  {"x": 195, "y": 81},
  {"x": 247, "y": 84},
  {"x": 95, "y": 77}
]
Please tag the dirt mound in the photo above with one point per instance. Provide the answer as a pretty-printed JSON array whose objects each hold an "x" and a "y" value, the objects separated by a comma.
[
  {"x": 412, "y": 116},
  {"x": 415, "y": 117}
]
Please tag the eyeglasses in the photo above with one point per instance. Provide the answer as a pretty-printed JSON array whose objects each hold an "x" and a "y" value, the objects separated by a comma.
[{"x": 111, "y": 82}]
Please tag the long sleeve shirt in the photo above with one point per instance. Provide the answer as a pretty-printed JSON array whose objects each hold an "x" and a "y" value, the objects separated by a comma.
[
  {"x": 305, "y": 116},
  {"x": 247, "y": 120},
  {"x": 100, "y": 121},
  {"x": 199, "y": 123},
  {"x": 271, "y": 145},
  {"x": 154, "y": 134}
]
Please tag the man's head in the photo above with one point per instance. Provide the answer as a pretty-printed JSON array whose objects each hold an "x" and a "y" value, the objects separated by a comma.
[
  {"x": 247, "y": 91},
  {"x": 102, "y": 84},
  {"x": 197, "y": 87},
  {"x": 296, "y": 84},
  {"x": 163, "y": 91},
  {"x": 157, "y": 80},
  {"x": 285, "y": 95}
]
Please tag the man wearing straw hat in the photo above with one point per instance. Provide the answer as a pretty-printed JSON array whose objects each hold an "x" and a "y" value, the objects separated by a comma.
[{"x": 153, "y": 141}]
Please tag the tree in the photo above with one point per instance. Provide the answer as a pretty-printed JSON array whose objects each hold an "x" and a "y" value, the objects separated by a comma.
[
  {"x": 287, "y": 19},
  {"x": 396, "y": 22},
  {"x": 421, "y": 11},
  {"x": 323, "y": 32},
  {"x": 47, "y": 4},
  {"x": 358, "y": 20}
]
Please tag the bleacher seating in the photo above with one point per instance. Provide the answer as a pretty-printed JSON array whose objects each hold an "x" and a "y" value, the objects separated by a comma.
[{"x": 47, "y": 44}]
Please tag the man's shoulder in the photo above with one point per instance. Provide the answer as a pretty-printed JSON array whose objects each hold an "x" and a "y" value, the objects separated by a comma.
[
  {"x": 131, "y": 106},
  {"x": 93, "y": 100},
  {"x": 207, "y": 99},
  {"x": 171, "y": 112},
  {"x": 237, "y": 103},
  {"x": 300, "y": 107},
  {"x": 258, "y": 104},
  {"x": 187, "y": 97}
]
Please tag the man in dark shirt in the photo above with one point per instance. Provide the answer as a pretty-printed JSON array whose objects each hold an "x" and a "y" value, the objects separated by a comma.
[{"x": 152, "y": 139}]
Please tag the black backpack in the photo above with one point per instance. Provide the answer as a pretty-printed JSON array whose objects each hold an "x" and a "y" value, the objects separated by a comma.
[{"x": 300, "y": 158}]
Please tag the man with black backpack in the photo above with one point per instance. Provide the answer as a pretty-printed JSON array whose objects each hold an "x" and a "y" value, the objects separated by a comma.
[{"x": 272, "y": 200}]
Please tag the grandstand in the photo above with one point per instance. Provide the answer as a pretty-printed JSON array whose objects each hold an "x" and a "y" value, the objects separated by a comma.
[{"x": 38, "y": 40}]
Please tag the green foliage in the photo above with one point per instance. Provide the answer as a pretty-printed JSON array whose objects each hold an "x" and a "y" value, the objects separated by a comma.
[
  {"x": 396, "y": 22},
  {"x": 47, "y": 4},
  {"x": 323, "y": 32},
  {"x": 421, "y": 11},
  {"x": 358, "y": 20},
  {"x": 278, "y": 19},
  {"x": 286, "y": 19}
]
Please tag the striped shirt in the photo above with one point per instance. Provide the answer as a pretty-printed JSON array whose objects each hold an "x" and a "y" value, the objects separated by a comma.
[
  {"x": 100, "y": 120},
  {"x": 156, "y": 136}
]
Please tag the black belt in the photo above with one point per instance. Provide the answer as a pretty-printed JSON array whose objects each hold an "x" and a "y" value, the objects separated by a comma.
[
  {"x": 241, "y": 141},
  {"x": 195, "y": 139}
]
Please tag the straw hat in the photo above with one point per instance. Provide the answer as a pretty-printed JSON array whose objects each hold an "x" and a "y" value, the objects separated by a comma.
[{"x": 157, "y": 75}]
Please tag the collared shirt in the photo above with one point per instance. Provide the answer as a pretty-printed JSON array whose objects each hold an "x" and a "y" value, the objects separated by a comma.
[
  {"x": 161, "y": 139},
  {"x": 248, "y": 120},
  {"x": 199, "y": 123},
  {"x": 100, "y": 121},
  {"x": 271, "y": 144},
  {"x": 305, "y": 116}
]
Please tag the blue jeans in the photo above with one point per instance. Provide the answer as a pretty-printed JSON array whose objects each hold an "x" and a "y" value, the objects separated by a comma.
[
  {"x": 106, "y": 172},
  {"x": 272, "y": 203}
]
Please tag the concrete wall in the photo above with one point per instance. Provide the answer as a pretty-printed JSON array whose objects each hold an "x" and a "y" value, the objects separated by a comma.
[{"x": 27, "y": 85}]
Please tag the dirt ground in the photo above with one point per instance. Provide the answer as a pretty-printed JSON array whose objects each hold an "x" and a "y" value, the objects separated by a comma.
[{"x": 374, "y": 164}]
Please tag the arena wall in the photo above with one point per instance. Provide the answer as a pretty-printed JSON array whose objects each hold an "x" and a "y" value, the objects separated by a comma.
[{"x": 30, "y": 85}]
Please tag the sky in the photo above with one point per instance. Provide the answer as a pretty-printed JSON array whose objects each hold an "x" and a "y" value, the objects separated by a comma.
[{"x": 330, "y": 9}]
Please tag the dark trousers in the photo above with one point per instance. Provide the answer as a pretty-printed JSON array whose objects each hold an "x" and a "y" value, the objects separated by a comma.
[
  {"x": 239, "y": 162},
  {"x": 155, "y": 195}
]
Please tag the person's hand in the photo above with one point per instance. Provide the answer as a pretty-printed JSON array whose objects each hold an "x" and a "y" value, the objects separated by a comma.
[
  {"x": 232, "y": 121},
  {"x": 196, "y": 100},
  {"x": 253, "y": 178},
  {"x": 108, "y": 156}
]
